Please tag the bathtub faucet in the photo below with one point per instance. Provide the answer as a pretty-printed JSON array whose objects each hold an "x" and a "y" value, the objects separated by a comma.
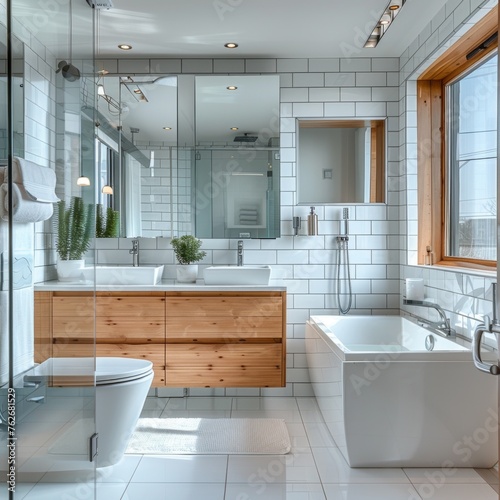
[{"x": 443, "y": 325}]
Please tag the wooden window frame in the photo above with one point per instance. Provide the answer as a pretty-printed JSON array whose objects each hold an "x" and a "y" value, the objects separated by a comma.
[{"x": 432, "y": 191}]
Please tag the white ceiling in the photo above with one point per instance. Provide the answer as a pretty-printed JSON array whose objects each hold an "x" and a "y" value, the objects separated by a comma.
[{"x": 262, "y": 28}]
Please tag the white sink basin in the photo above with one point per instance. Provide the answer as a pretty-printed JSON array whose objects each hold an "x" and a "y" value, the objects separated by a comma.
[
  {"x": 124, "y": 275},
  {"x": 237, "y": 275}
]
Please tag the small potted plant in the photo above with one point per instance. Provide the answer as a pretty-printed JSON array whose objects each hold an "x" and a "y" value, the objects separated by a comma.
[
  {"x": 187, "y": 251},
  {"x": 74, "y": 230}
]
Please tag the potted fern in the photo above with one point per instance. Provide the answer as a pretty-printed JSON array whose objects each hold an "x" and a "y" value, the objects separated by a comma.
[
  {"x": 74, "y": 230},
  {"x": 187, "y": 251}
]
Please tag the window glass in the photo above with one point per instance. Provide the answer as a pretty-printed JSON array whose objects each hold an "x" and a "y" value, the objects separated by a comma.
[{"x": 472, "y": 163}]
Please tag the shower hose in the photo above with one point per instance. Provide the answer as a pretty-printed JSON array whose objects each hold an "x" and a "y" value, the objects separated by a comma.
[{"x": 343, "y": 263}]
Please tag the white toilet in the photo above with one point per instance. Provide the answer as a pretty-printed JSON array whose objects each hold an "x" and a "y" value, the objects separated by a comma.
[
  {"x": 121, "y": 388},
  {"x": 122, "y": 385}
]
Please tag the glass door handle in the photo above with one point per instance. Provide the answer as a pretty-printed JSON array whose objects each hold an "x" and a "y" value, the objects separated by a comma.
[{"x": 476, "y": 351}]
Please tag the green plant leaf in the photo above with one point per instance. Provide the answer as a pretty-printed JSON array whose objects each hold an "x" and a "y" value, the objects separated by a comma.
[{"x": 187, "y": 249}]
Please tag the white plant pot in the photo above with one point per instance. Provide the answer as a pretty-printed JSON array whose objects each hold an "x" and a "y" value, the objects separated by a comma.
[
  {"x": 187, "y": 273},
  {"x": 70, "y": 270}
]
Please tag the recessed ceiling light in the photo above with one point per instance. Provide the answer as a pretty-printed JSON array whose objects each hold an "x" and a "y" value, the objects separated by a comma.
[
  {"x": 125, "y": 46},
  {"x": 230, "y": 45},
  {"x": 385, "y": 19},
  {"x": 231, "y": 87},
  {"x": 167, "y": 128},
  {"x": 234, "y": 128},
  {"x": 137, "y": 91},
  {"x": 395, "y": 4}
]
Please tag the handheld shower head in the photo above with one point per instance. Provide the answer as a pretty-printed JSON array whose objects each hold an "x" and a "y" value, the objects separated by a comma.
[{"x": 345, "y": 216}]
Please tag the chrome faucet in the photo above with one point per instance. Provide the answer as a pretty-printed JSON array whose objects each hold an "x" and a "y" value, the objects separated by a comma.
[
  {"x": 443, "y": 325},
  {"x": 135, "y": 253},
  {"x": 240, "y": 252}
]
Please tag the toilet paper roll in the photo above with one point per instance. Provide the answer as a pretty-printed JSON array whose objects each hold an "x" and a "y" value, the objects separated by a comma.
[{"x": 414, "y": 289}]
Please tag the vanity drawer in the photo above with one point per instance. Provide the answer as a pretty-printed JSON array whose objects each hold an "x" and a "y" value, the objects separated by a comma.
[
  {"x": 130, "y": 306},
  {"x": 74, "y": 348},
  {"x": 77, "y": 305},
  {"x": 225, "y": 305},
  {"x": 226, "y": 328},
  {"x": 153, "y": 353},
  {"x": 224, "y": 365}
]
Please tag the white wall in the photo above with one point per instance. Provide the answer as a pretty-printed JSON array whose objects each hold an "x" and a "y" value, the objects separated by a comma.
[{"x": 383, "y": 237}]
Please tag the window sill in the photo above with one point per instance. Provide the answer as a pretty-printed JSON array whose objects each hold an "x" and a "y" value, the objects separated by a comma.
[{"x": 485, "y": 272}]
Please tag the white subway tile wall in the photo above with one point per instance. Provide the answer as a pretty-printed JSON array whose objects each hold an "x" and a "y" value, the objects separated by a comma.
[{"x": 383, "y": 246}]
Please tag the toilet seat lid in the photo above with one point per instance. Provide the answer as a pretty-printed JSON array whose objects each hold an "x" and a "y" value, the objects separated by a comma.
[{"x": 110, "y": 370}]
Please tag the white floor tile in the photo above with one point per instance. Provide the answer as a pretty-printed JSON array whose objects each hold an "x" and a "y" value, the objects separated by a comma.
[
  {"x": 298, "y": 436},
  {"x": 151, "y": 413},
  {"x": 222, "y": 403},
  {"x": 444, "y": 476},
  {"x": 273, "y": 491},
  {"x": 267, "y": 403},
  {"x": 333, "y": 468},
  {"x": 292, "y": 468},
  {"x": 307, "y": 404},
  {"x": 296, "y": 476},
  {"x": 319, "y": 435},
  {"x": 49, "y": 491},
  {"x": 22, "y": 489},
  {"x": 122, "y": 472},
  {"x": 181, "y": 469},
  {"x": 175, "y": 491},
  {"x": 311, "y": 416},
  {"x": 455, "y": 492},
  {"x": 370, "y": 492},
  {"x": 292, "y": 416},
  {"x": 167, "y": 413},
  {"x": 110, "y": 491}
]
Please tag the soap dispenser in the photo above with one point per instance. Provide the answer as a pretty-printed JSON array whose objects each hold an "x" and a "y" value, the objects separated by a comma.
[{"x": 312, "y": 223}]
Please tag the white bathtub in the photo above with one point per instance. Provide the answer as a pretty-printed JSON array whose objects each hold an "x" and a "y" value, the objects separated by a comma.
[{"x": 390, "y": 402}]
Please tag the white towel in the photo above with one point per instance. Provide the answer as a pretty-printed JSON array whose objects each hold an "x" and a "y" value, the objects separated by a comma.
[
  {"x": 39, "y": 182},
  {"x": 24, "y": 209},
  {"x": 23, "y": 332}
]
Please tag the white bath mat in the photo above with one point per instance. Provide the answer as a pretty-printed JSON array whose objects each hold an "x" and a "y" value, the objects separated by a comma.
[{"x": 210, "y": 436}]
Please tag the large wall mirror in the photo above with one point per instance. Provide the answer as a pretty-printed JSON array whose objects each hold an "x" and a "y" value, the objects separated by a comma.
[
  {"x": 341, "y": 161},
  {"x": 186, "y": 155},
  {"x": 236, "y": 163},
  {"x": 137, "y": 157}
]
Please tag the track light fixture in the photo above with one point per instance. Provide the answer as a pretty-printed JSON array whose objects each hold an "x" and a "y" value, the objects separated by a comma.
[{"x": 386, "y": 19}]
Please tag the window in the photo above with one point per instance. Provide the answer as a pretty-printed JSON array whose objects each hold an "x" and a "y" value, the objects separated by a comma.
[
  {"x": 457, "y": 151},
  {"x": 471, "y": 162}
]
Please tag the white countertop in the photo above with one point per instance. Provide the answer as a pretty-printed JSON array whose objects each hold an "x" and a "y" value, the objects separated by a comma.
[{"x": 162, "y": 286}]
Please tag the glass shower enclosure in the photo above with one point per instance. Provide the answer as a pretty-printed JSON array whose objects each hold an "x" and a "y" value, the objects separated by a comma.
[{"x": 46, "y": 77}]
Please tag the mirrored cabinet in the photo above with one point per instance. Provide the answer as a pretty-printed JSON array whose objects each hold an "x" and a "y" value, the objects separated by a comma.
[{"x": 341, "y": 161}]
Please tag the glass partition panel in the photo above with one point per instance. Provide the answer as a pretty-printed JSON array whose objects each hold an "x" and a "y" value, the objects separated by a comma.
[{"x": 50, "y": 377}]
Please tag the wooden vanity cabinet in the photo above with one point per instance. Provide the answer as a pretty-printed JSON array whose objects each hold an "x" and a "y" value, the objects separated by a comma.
[
  {"x": 127, "y": 324},
  {"x": 194, "y": 339},
  {"x": 225, "y": 339}
]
